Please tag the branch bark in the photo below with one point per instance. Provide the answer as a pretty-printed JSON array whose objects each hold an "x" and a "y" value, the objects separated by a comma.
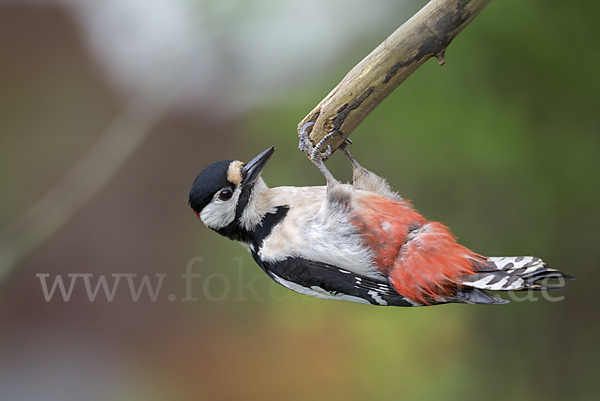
[{"x": 428, "y": 33}]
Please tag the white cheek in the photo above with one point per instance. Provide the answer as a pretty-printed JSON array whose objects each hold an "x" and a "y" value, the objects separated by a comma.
[{"x": 218, "y": 214}]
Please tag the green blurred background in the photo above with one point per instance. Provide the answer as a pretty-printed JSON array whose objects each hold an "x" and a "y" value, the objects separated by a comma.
[{"x": 502, "y": 144}]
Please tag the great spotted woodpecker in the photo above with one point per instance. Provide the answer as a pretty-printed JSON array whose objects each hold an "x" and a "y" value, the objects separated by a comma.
[{"x": 359, "y": 242}]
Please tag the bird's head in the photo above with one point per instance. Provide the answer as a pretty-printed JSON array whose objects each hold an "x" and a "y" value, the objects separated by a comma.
[{"x": 228, "y": 195}]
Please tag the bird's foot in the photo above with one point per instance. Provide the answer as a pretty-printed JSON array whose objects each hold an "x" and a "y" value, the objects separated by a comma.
[
  {"x": 305, "y": 144},
  {"x": 319, "y": 153},
  {"x": 323, "y": 149}
]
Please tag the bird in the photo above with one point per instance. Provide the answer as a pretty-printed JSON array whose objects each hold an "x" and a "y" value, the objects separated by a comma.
[{"x": 359, "y": 242}]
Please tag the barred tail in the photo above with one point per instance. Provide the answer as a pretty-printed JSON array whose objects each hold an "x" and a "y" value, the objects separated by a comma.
[{"x": 508, "y": 274}]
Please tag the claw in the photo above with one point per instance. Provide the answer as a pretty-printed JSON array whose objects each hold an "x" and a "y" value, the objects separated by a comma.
[
  {"x": 345, "y": 138},
  {"x": 328, "y": 152},
  {"x": 307, "y": 147},
  {"x": 305, "y": 144},
  {"x": 320, "y": 149},
  {"x": 305, "y": 126},
  {"x": 317, "y": 153}
]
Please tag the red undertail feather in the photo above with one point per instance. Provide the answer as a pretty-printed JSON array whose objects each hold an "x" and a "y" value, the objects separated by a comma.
[
  {"x": 422, "y": 259},
  {"x": 430, "y": 265}
]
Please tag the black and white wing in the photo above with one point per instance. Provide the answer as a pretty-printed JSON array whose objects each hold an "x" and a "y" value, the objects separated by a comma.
[{"x": 326, "y": 281}]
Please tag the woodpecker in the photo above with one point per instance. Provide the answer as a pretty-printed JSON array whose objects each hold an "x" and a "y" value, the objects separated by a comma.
[{"x": 359, "y": 242}]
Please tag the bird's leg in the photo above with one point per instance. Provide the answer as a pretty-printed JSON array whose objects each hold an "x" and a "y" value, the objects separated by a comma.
[
  {"x": 318, "y": 154},
  {"x": 359, "y": 173},
  {"x": 367, "y": 180},
  {"x": 357, "y": 169},
  {"x": 321, "y": 145},
  {"x": 355, "y": 166},
  {"x": 318, "y": 158}
]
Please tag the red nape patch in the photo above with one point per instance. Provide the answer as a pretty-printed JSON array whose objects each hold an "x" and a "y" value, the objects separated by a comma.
[{"x": 422, "y": 259}]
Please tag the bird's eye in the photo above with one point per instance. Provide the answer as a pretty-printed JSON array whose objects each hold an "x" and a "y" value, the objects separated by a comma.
[{"x": 225, "y": 194}]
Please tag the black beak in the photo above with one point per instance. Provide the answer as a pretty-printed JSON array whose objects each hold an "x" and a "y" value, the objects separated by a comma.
[{"x": 252, "y": 170}]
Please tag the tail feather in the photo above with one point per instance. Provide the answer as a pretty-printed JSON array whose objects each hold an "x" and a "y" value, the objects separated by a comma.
[
  {"x": 513, "y": 274},
  {"x": 474, "y": 296}
]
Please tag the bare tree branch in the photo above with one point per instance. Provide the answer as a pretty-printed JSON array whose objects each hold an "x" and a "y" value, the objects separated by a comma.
[{"x": 428, "y": 33}]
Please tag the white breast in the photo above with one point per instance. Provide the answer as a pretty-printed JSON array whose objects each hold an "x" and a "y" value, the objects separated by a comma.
[{"x": 314, "y": 231}]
